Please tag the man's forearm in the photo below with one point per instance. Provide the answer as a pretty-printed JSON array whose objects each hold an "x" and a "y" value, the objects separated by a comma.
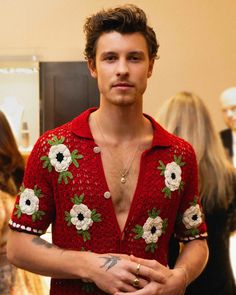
[
  {"x": 37, "y": 255},
  {"x": 193, "y": 259}
]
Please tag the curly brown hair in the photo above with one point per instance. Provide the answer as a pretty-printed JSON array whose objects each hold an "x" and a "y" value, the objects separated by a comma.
[{"x": 124, "y": 19}]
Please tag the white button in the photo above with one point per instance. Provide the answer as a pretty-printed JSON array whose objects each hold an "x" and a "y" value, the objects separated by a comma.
[
  {"x": 96, "y": 149},
  {"x": 107, "y": 195}
]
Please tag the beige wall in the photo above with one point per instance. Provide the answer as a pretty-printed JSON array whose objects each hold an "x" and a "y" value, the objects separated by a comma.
[{"x": 197, "y": 37}]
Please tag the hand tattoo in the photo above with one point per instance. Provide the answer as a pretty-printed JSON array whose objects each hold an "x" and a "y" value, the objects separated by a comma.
[{"x": 110, "y": 261}]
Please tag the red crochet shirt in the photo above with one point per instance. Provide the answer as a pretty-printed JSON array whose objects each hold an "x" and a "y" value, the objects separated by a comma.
[{"x": 64, "y": 185}]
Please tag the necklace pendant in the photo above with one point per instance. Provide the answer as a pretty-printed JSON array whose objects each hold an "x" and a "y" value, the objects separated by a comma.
[{"x": 123, "y": 179}]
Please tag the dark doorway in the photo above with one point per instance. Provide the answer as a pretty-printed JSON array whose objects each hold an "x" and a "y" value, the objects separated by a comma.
[{"x": 66, "y": 90}]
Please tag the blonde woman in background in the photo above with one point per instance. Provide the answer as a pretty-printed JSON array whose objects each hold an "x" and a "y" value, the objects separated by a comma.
[
  {"x": 13, "y": 281},
  {"x": 186, "y": 116}
]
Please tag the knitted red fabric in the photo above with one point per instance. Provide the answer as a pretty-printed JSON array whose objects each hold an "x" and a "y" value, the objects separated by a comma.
[{"x": 64, "y": 185}]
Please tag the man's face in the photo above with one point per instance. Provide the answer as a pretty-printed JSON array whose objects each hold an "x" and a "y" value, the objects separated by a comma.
[
  {"x": 122, "y": 68},
  {"x": 229, "y": 114}
]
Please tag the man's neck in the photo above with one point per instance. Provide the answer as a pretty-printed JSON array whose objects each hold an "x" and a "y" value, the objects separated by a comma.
[{"x": 120, "y": 124}]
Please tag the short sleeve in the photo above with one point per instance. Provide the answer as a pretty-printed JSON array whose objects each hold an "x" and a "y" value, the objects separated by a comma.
[
  {"x": 190, "y": 222},
  {"x": 34, "y": 208}
]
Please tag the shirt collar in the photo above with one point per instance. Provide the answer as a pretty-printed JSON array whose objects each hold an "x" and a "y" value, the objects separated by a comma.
[{"x": 80, "y": 127}]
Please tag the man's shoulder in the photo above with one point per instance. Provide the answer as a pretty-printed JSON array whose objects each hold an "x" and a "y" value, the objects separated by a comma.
[
  {"x": 76, "y": 127},
  {"x": 226, "y": 136},
  {"x": 180, "y": 143},
  {"x": 164, "y": 138},
  {"x": 60, "y": 131},
  {"x": 225, "y": 132},
  {"x": 174, "y": 140},
  {"x": 63, "y": 134}
]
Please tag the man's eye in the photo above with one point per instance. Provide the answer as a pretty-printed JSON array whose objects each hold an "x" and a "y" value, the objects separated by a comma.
[
  {"x": 110, "y": 58},
  {"x": 135, "y": 58}
]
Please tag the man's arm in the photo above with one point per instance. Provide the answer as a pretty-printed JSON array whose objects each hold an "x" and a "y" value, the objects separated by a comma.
[
  {"x": 34, "y": 254},
  {"x": 189, "y": 265},
  {"x": 193, "y": 259}
]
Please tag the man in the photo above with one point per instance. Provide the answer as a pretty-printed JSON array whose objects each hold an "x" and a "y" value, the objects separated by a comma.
[
  {"x": 228, "y": 136},
  {"x": 112, "y": 182}
]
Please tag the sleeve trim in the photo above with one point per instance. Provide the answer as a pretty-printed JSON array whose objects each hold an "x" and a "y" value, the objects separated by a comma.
[
  {"x": 186, "y": 239},
  {"x": 21, "y": 227}
]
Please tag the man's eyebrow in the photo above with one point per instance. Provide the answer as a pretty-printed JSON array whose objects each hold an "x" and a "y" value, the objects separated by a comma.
[
  {"x": 138, "y": 52},
  {"x": 108, "y": 52}
]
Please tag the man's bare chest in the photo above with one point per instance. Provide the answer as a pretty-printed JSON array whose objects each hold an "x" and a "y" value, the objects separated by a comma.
[{"x": 121, "y": 184}]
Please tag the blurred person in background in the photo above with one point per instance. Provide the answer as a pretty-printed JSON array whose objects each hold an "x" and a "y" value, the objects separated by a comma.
[
  {"x": 186, "y": 116},
  {"x": 228, "y": 136},
  {"x": 13, "y": 281}
]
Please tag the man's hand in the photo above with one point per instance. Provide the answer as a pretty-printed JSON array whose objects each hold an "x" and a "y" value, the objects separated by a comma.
[
  {"x": 117, "y": 273},
  {"x": 174, "y": 282},
  {"x": 114, "y": 273}
]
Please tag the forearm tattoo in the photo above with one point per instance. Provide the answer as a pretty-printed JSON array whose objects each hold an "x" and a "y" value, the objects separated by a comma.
[
  {"x": 110, "y": 261},
  {"x": 40, "y": 242}
]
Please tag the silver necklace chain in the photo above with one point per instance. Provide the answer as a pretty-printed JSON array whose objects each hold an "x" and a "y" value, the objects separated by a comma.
[{"x": 124, "y": 172}]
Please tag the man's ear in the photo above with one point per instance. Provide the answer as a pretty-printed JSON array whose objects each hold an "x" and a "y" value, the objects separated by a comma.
[
  {"x": 92, "y": 67},
  {"x": 151, "y": 64}
]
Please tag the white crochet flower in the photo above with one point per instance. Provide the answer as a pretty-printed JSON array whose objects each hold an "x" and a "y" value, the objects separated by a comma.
[
  {"x": 192, "y": 217},
  {"x": 29, "y": 202},
  {"x": 172, "y": 175},
  {"x": 152, "y": 229},
  {"x": 81, "y": 217},
  {"x": 60, "y": 157}
]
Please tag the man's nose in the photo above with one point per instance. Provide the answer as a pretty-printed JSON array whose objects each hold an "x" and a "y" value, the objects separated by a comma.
[{"x": 122, "y": 68}]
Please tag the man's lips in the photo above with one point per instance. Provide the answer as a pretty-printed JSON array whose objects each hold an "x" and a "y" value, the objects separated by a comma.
[{"x": 122, "y": 84}]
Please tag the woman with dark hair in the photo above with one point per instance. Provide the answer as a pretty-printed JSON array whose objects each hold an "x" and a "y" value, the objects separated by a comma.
[{"x": 12, "y": 280}]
